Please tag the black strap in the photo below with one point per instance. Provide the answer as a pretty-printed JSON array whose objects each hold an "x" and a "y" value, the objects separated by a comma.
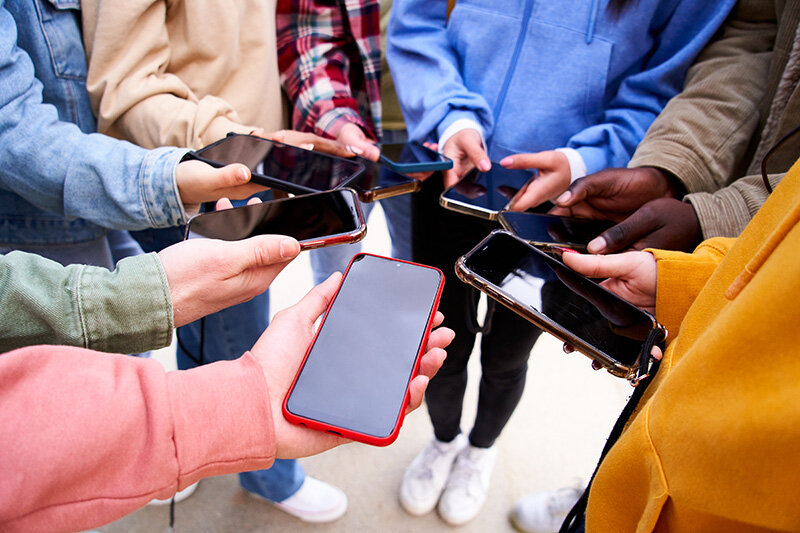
[
  {"x": 577, "y": 515},
  {"x": 471, "y": 309},
  {"x": 769, "y": 153}
]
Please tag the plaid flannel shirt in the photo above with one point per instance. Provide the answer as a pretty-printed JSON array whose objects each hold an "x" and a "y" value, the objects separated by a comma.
[{"x": 329, "y": 57}]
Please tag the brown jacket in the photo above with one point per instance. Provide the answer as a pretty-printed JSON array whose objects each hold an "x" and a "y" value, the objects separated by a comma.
[
  {"x": 740, "y": 97},
  {"x": 184, "y": 72}
]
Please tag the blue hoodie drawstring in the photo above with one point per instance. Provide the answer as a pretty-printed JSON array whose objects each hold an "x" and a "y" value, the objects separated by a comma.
[{"x": 592, "y": 22}]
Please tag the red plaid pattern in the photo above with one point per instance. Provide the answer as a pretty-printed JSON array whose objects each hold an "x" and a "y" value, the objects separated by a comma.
[{"x": 329, "y": 56}]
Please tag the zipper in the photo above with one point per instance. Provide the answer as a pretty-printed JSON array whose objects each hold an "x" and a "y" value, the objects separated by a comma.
[{"x": 501, "y": 98}]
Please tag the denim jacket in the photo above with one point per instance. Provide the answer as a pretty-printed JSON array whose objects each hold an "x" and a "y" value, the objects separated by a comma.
[{"x": 58, "y": 184}]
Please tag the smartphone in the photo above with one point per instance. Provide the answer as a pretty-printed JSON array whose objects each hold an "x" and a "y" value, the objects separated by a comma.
[
  {"x": 379, "y": 181},
  {"x": 315, "y": 220},
  {"x": 281, "y": 166},
  {"x": 485, "y": 194},
  {"x": 572, "y": 307},
  {"x": 413, "y": 156},
  {"x": 354, "y": 379},
  {"x": 551, "y": 230}
]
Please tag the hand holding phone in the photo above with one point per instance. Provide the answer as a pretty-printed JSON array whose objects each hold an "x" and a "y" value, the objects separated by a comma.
[
  {"x": 355, "y": 377},
  {"x": 315, "y": 220},
  {"x": 577, "y": 310},
  {"x": 542, "y": 229}
]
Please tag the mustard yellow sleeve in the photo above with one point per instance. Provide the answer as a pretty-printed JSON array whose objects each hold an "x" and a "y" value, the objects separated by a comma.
[
  {"x": 680, "y": 277},
  {"x": 132, "y": 94}
]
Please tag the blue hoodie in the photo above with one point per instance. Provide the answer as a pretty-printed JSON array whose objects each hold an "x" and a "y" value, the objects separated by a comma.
[{"x": 539, "y": 75}]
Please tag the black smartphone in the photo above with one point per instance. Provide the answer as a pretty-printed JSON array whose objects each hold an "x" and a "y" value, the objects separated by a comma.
[
  {"x": 485, "y": 194},
  {"x": 354, "y": 379},
  {"x": 551, "y": 230},
  {"x": 570, "y": 306},
  {"x": 379, "y": 181},
  {"x": 281, "y": 166},
  {"x": 413, "y": 156},
  {"x": 315, "y": 220}
]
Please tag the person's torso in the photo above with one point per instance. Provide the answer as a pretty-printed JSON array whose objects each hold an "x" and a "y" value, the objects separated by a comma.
[
  {"x": 49, "y": 31},
  {"x": 553, "y": 63}
]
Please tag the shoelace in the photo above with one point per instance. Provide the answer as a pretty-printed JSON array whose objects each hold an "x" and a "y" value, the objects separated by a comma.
[
  {"x": 562, "y": 500},
  {"x": 425, "y": 467},
  {"x": 468, "y": 476}
]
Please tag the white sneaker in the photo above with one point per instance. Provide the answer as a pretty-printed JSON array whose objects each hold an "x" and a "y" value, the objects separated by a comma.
[
  {"x": 315, "y": 501},
  {"x": 468, "y": 485},
  {"x": 425, "y": 477},
  {"x": 179, "y": 496},
  {"x": 544, "y": 512}
]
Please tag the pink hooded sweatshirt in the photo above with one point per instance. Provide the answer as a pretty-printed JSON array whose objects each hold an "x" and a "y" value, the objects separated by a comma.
[{"x": 87, "y": 437}]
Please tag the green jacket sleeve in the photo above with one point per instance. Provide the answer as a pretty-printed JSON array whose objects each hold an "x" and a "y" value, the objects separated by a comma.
[
  {"x": 128, "y": 310},
  {"x": 704, "y": 132}
]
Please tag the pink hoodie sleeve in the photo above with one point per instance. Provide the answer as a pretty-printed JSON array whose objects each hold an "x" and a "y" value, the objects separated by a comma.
[{"x": 87, "y": 437}]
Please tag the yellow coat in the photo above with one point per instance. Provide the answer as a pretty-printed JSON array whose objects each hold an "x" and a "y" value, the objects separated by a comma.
[{"x": 715, "y": 442}]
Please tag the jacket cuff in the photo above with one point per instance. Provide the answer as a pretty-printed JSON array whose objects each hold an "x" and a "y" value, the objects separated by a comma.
[
  {"x": 140, "y": 321},
  {"x": 332, "y": 122},
  {"x": 577, "y": 167},
  {"x": 222, "y": 419},
  {"x": 680, "y": 278},
  {"x": 722, "y": 214},
  {"x": 159, "y": 188},
  {"x": 595, "y": 159},
  {"x": 680, "y": 161},
  {"x": 462, "y": 116}
]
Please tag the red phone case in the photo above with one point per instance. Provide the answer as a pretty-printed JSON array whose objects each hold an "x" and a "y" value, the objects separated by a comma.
[{"x": 344, "y": 432}]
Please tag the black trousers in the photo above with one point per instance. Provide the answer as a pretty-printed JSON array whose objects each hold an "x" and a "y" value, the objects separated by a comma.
[{"x": 439, "y": 238}]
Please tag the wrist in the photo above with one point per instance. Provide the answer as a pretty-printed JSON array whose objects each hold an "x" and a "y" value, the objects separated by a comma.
[{"x": 668, "y": 184}]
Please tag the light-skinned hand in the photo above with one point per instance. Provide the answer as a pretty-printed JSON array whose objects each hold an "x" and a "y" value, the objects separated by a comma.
[
  {"x": 207, "y": 275},
  {"x": 356, "y": 141},
  {"x": 281, "y": 349},
  {"x": 631, "y": 275},
  {"x": 553, "y": 177},
  {"x": 198, "y": 182},
  {"x": 308, "y": 141},
  {"x": 466, "y": 150}
]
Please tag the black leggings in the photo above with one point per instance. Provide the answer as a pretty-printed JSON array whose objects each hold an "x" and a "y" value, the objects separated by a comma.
[{"x": 440, "y": 237}]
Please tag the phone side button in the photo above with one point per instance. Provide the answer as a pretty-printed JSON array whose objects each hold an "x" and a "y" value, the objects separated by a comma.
[{"x": 334, "y": 432}]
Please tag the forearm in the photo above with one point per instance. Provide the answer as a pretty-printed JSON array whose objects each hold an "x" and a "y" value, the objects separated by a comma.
[
  {"x": 314, "y": 66},
  {"x": 133, "y": 96},
  {"x": 424, "y": 66},
  {"x": 90, "y": 437},
  {"x": 704, "y": 131},
  {"x": 681, "y": 277},
  {"x": 58, "y": 168},
  {"x": 726, "y": 212},
  {"x": 128, "y": 310}
]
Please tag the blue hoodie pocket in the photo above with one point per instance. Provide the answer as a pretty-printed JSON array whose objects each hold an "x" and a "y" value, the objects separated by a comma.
[
  {"x": 60, "y": 21},
  {"x": 557, "y": 88}
]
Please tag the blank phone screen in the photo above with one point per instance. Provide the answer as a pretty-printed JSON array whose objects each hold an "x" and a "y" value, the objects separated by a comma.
[
  {"x": 542, "y": 228},
  {"x": 305, "y": 217},
  {"x": 576, "y": 304},
  {"x": 313, "y": 170},
  {"x": 488, "y": 192},
  {"x": 357, "y": 372}
]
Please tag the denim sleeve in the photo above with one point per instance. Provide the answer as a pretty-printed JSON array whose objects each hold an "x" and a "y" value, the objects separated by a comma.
[
  {"x": 425, "y": 71},
  {"x": 128, "y": 310},
  {"x": 683, "y": 33},
  {"x": 56, "y": 167}
]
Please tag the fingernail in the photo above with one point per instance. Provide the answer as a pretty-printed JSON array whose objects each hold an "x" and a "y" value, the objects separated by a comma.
[
  {"x": 596, "y": 245},
  {"x": 242, "y": 174},
  {"x": 563, "y": 249},
  {"x": 484, "y": 165},
  {"x": 565, "y": 196},
  {"x": 355, "y": 149},
  {"x": 289, "y": 248},
  {"x": 506, "y": 161},
  {"x": 307, "y": 146}
]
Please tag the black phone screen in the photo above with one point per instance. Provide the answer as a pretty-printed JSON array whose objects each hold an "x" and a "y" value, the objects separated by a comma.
[
  {"x": 490, "y": 191},
  {"x": 357, "y": 372},
  {"x": 303, "y": 217},
  {"x": 411, "y": 152},
  {"x": 577, "y": 304},
  {"x": 543, "y": 228},
  {"x": 312, "y": 170}
]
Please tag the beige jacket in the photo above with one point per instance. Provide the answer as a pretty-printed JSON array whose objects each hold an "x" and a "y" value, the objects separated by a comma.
[
  {"x": 182, "y": 72},
  {"x": 741, "y": 96}
]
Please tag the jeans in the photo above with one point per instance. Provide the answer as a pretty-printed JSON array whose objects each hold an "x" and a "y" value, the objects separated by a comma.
[
  {"x": 96, "y": 252},
  {"x": 227, "y": 334},
  {"x": 440, "y": 237},
  {"x": 326, "y": 261}
]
